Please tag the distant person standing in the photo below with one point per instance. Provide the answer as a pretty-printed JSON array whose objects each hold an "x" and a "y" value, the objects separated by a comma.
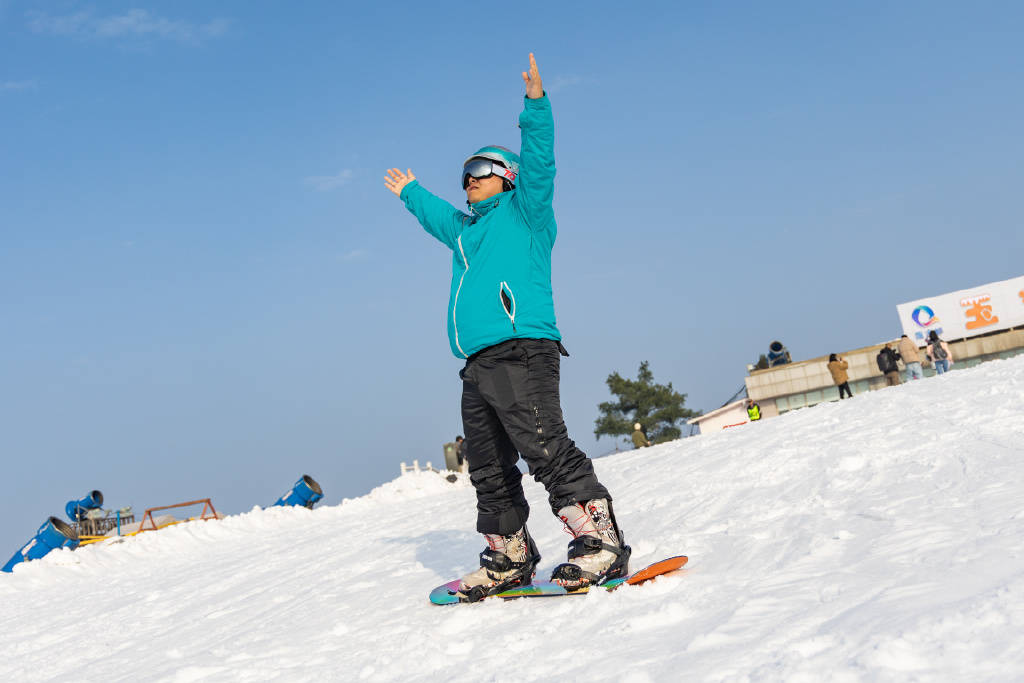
[
  {"x": 938, "y": 353},
  {"x": 908, "y": 352},
  {"x": 454, "y": 455},
  {"x": 460, "y": 453},
  {"x": 639, "y": 438},
  {"x": 887, "y": 362},
  {"x": 838, "y": 367},
  {"x": 753, "y": 411}
]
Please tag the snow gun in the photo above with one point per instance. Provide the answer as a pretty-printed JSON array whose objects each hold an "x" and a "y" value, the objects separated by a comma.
[
  {"x": 54, "y": 533},
  {"x": 76, "y": 509},
  {"x": 777, "y": 354},
  {"x": 306, "y": 492}
]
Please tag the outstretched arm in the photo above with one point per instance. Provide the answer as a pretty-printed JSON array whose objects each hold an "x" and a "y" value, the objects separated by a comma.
[{"x": 438, "y": 217}]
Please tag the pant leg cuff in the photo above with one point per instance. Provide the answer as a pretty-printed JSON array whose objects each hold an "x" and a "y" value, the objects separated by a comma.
[{"x": 504, "y": 523}]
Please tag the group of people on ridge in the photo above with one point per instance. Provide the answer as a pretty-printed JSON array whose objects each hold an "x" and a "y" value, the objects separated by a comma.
[{"x": 936, "y": 351}]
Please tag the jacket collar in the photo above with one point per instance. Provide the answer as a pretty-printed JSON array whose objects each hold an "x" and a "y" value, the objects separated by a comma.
[{"x": 482, "y": 208}]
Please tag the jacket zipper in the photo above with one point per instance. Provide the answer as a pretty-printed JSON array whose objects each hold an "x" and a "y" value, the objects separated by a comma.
[{"x": 456, "y": 304}]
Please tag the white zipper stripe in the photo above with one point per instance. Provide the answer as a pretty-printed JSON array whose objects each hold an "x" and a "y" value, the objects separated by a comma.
[{"x": 455, "y": 305}]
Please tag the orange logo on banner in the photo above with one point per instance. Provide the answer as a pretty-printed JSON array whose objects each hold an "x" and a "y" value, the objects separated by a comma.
[
  {"x": 979, "y": 312},
  {"x": 1021, "y": 295}
]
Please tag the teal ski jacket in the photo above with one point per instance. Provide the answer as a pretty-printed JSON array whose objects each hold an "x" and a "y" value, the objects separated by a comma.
[{"x": 501, "y": 250}]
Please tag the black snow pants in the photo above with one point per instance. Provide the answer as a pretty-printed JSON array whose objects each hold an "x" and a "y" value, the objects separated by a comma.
[{"x": 511, "y": 407}]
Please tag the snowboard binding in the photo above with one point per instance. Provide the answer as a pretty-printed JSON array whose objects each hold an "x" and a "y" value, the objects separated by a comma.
[
  {"x": 573, "y": 577},
  {"x": 507, "y": 573}
]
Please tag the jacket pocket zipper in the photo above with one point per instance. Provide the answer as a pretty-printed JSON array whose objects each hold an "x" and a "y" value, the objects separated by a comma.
[{"x": 508, "y": 302}]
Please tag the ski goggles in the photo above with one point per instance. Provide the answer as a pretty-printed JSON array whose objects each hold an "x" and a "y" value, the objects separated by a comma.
[{"x": 485, "y": 168}]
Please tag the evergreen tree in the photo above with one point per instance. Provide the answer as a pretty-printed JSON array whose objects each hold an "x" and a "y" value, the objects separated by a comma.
[{"x": 656, "y": 406}]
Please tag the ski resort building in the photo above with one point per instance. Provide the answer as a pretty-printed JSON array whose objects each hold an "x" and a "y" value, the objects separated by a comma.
[
  {"x": 980, "y": 324},
  {"x": 805, "y": 383}
]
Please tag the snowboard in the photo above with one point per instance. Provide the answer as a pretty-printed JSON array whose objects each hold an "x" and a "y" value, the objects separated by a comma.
[{"x": 445, "y": 594}]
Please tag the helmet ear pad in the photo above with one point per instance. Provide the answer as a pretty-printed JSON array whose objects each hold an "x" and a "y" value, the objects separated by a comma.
[{"x": 506, "y": 186}]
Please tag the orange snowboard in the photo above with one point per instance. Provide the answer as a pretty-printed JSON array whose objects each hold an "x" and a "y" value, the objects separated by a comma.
[{"x": 657, "y": 569}]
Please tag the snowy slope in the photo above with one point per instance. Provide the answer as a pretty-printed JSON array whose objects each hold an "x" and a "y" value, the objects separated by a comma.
[{"x": 880, "y": 538}]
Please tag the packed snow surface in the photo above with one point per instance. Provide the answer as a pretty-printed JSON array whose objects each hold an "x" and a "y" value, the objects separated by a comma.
[{"x": 874, "y": 539}]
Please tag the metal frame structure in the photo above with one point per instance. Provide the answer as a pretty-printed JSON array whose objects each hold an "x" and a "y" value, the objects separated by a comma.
[{"x": 148, "y": 514}]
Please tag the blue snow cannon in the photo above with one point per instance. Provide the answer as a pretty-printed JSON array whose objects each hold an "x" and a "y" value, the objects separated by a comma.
[
  {"x": 306, "y": 492},
  {"x": 778, "y": 354},
  {"x": 76, "y": 508},
  {"x": 54, "y": 533}
]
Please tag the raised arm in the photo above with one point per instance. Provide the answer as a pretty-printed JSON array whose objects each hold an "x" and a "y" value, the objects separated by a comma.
[
  {"x": 438, "y": 217},
  {"x": 536, "y": 184}
]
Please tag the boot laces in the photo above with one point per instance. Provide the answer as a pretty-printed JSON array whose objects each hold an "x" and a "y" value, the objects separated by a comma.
[
  {"x": 514, "y": 545},
  {"x": 589, "y": 519}
]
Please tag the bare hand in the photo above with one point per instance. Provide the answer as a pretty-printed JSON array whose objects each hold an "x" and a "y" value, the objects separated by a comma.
[
  {"x": 534, "y": 89},
  {"x": 395, "y": 180}
]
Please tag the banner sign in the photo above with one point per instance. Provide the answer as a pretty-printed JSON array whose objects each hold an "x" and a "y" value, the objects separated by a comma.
[{"x": 967, "y": 313}]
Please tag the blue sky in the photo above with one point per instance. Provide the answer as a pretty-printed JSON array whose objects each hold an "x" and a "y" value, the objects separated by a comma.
[{"x": 206, "y": 290}]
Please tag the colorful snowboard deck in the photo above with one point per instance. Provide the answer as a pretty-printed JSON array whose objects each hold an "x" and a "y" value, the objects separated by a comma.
[{"x": 445, "y": 594}]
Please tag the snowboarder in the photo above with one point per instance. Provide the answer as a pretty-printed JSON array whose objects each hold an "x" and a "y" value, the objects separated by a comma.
[{"x": 501, "y": 321}]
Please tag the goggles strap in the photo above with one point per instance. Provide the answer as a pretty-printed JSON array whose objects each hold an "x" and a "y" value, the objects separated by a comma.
[{"x": 506, "y": 173}]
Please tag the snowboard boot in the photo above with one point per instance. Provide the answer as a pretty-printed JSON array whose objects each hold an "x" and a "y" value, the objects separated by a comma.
[
  {"x": 597, "y": 552},
  {"x": 506, "y": 562}
]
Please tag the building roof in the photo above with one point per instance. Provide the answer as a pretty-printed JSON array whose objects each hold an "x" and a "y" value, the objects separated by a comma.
[
  {"x": 871, "y": 348},
  {"x": 718, "y": 411}
]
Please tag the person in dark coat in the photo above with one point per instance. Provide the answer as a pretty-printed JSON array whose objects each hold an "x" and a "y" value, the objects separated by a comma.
[
  {"x": 887, "y": 362},
  {"x": 460, "y": 451}
]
